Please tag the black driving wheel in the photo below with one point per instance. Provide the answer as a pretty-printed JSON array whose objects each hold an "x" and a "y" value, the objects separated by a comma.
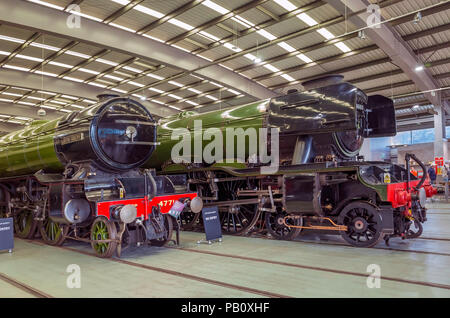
[
  {"x": 363, "y": 223},
  {"x": 276, "y": 227}
]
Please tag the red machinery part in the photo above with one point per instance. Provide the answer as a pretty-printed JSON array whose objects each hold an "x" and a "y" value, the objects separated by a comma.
[
  {"x": 143, "y": 205},
  {"x": 429, "y": 190},
  {"x": 398, "y": 196},
  {"x": 402, "y": 197}
]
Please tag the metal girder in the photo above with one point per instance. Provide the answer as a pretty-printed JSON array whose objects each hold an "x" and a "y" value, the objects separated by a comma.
[
  {"x": 11, "y": 109},
  {"x": 55, "y": 85},
  {"x": 217, "y": 20},
  {"x": 54, "y": 55},
  {"x": 39, "y": 18},
  {"x": 84, "y": 63},
  {"x": 388, "y": 40},
  {"x": 349, "y": 68},
  {"x": 169, "y": 16},
  {"x": 9, "y": 127},
  {"x": 19, "y": 49},
  {"x": 121, "y": 11},
  {"x": 310, "y": 6}
]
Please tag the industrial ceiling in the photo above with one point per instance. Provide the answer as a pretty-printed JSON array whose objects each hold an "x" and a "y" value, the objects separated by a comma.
[{"x": 204, "y": 54}]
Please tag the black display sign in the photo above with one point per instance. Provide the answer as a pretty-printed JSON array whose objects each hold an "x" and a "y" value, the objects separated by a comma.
[
  {"x": 211, "y": 222},
  {"x": 6, "y": 234}
]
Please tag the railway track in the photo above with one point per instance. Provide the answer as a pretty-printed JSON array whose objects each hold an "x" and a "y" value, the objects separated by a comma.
[
  {"x": 24, "y": 287},
  {"x": 255, "y": 291},
  {"x": 174, "y": 273},
  {"x": 317, "y": 268}
]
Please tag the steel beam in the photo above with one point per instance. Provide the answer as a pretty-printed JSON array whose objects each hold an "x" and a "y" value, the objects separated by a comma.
[
  {"x": 388, "y": 40},
  {"x": 11, "y": 109},
  {"x": 55, "y": 85},
  {"x": 46, "y": 20},
  {"x": 9, "y": 127}
]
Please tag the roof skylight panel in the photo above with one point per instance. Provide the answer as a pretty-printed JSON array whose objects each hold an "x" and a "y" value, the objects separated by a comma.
[
  {"x": 29, "y": 58},
  {"x": 16, "y": 68},
  {"x": 156, "y": 90},
  {"x": 114, "y": 77},
  {"x": 11, "y": 94},
  {"x": 73, "y": 79},
  {"x": 176, "y": 83},
  {"x": 215, "y": 7},
  {"x": 26, "y": 103},
  {"x": 343, "y": 47},
  {"x": 307, "y": 19},
  {"x": 96, "y": 84},
  {"x": 208, "y": 36},
  {"x": 288, "y": 77},
  {"x": 122, "y": 27},
  {"x": 69, "y": 97},
  {"x": 286, "y": 5},
  {"x": 266, "y": 34},
  {"x": 148, "y": 11},
  {"x": 47, "y": 47},
  {"x": 196, "y": 91},
  {"x": 175, "y": 96},
  {"x": 271, "y": 68},
  {"x": 304, "y": 58},
  {"x": 192, "y": 103},
  {"x": 286, "y": 46},
  {"x": 50, "y": 5},
  {"x": 155, "y": 76},
  {"x": 119, "y": 90},
  {"x": 48, "y": 107},
  {"x": 46, "y": 73},
  {"x": 232, "y": 47},
  {"x": 60, "y": 64},
  {"x": 11, "y": 39},
  {"x": 85, "y": 70},
  {"x": 181, "y": 24},
  {"x": 326, "y": 34}
]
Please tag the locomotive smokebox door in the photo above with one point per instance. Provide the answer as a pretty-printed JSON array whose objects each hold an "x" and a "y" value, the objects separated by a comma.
[{"x": 380, "y": 117}]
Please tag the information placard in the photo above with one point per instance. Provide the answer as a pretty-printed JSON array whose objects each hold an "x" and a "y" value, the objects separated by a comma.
[
  {"x": 211, "y": 222},
  {"x": 6, "y": 234}
]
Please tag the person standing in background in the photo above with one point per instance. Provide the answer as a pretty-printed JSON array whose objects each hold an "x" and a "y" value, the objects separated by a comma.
[
  {"x": 432, "y": 174},
  {"x": 413, "y": 172}
]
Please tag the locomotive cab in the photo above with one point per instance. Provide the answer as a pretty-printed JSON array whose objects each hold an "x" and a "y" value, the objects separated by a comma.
[{"x": 329, "y": 121}]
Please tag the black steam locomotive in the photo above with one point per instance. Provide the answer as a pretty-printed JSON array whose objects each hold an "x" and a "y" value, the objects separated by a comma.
[{"x": 320, "y": 182}]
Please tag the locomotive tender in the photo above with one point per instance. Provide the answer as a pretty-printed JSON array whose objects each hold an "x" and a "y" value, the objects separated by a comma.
[
  {"x": 321, "y": 183},
  {"x": 78, "y": 177}
]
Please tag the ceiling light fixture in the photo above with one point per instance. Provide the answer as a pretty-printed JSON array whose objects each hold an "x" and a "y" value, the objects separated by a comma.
[
  {"x": 362, "y": 35},
  {"x": 417, "y": 17},
  {"x": 419, "y": 68}
]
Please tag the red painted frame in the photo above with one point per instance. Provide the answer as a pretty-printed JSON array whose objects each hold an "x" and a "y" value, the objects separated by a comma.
[{"x": 144, "y": 205}]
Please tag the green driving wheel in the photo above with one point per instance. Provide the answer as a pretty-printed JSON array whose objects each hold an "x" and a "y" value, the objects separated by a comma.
[
  {"x": 53, "y": 233},
  {"x": 103, "y": 229},
  {"x": 24, "y": 224}
]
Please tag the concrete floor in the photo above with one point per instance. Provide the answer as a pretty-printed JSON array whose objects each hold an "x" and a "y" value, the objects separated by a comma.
[{"x": 241, "y": 267}]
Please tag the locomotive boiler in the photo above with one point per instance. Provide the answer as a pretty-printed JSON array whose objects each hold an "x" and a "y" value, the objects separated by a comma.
[
  {"x": 320, "y": 184},
  {"x": 79, "y": 177}
]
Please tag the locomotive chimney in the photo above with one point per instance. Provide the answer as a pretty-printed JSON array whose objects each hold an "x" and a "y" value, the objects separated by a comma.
[{"x": 322, "y": 81}]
